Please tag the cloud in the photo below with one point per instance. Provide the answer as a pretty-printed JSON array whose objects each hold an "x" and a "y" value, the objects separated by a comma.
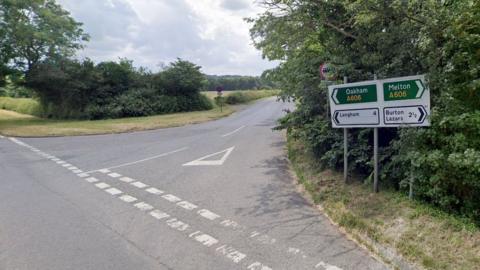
[
  {"x": 235, "y": 4},
  {"x": 210, "y": 33}
]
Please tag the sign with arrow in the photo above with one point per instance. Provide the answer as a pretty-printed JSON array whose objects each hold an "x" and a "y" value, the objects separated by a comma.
[
  {"x": 404, "y": 115},
  {"x": 393, "y": 102},
  {"x": 401, "y": 90},
  {"x": 355, "y": 94}
]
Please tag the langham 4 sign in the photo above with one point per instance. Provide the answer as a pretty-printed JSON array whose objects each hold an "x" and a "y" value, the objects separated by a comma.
[{"x": 395, "y": 102}]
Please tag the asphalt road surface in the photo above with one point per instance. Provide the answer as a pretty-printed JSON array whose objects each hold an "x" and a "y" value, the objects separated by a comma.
[{"x": 210, "y": 196}]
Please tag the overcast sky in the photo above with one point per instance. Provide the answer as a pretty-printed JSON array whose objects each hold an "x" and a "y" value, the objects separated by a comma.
[{"x": 210, "y": 33}]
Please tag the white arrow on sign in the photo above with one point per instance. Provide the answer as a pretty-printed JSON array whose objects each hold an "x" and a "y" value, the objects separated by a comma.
[
  {"x": 334, "y": 96},
  {"x": 420, "y": 88},
  {"x": 203, "y": 162}
]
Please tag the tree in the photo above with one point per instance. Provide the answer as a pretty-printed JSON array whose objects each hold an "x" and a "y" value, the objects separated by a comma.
[
  {"x": 181, "y": 78},
  {"x": 32, "y": 30}
]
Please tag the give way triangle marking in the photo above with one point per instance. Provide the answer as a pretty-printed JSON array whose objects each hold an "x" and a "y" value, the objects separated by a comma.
[{"x": 203, "y": 162}]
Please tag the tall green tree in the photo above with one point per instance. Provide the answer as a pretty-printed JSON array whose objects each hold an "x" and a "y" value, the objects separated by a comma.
[{"x": 32, "y": 30}]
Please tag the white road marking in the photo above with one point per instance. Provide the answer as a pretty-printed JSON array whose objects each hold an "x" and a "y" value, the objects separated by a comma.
[
  {"x": 207, "y": 214},
  {"x": 230, "y": 223},
  {"x": 1, "y": 136},
  {"x": 206, "y": 240},
  {"x": 142, "y": 160},
  {"x": 103, "y": 171},
  {"x": 127, "y": 198},
  {"x": 233, "y": 132},
  {"x": 327, "y": 266},
  {"x": 139, "y": 184},
  {"x": 114, "y": 175},
  {"x": 187, "y": 205},
  {"x": 67, "y": 165},
  {"x": 83, "y": 175},
  {"x": 102, "y": 185},
  {"x": 171, "y": 198},
  {"x": 254, "y": 233},
  {"x": 258, "y": 266},
  {"x": 159, "y": 214},
  {"x": 126, "y": 179},
  {"x": 61, "y": 162},
  {"x": 113, "y": 191},
  {"x": 154, "y": 191},
  {"x": 91, "y": 179},
  {"x": 77, "y": 171},
  {"x": 231, "y": 253},
  {"x": 55, "y": 159},
  {"x": 72, "y": 168},
  {"x": 202, "y": 162},
  {"x": 143, "y": 206},
  {"x": 294, "y": 251},
  {"x": 177, "y": 224}
]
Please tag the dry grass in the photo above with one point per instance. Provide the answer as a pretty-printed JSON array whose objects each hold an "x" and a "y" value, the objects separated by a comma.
[
  {"x": 21, "y": 125},
  {"x": 420, "y": 233}
]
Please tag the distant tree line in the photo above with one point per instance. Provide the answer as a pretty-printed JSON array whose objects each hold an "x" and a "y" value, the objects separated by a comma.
[
  {"x": 38, "y": 39},
  {"x": 235, "y": 82}
]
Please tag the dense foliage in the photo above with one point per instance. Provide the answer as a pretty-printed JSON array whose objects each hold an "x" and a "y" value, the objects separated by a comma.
[
  {"x": 389, "y": 38},
  {"x": 235, "y": 82},
  {"x": 82, "y": 89}
]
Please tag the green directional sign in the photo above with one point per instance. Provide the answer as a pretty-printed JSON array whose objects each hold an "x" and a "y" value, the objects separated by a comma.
[
  {"x": 355, "y": 94},
  {"x": 402, "y": 90}
]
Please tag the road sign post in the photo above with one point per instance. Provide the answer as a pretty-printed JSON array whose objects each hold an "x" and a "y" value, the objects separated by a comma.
[
  {"x": 375, "y": 154},
  {"x": 393, "y": 102},
  {"x": 345, "y": 147}
]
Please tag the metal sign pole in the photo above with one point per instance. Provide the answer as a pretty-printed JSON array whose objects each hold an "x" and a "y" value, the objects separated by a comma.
[
  {"x": 345, "y": 147},
  {"x": 375, "y": 154}
]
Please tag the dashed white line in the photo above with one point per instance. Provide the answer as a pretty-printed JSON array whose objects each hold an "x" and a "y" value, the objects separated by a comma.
[
  {"x": 327, "y": 266},
  {"x": 114, "y": 175},
  {"x": 207, "y": 214},
  {"x": 126, "y": 179},
  {"x": 72, "y": 168},
  {"x": 66, "y": 165},
  {"x": 206, "y": 240},
  {"x": 143, "y": 206},
  {"x": 77, "y": 171},
  {"x": 91, "y": 179},
  {"x": 177, "y": 224},
  {"x": 113, "y": 191},
  {"x": 171, "y": 198},
  {"x": 187, "y": 205},
  {"x": 61, "y": 162},
  {"x": 233, "y": 132},
  {"x": 55, "y": 159},
  {"x": 159, "y": 214},
  {"x": 258, "y": 266},
  {"x": 83, "y": 175},
  {"x": 231, "y": 253},
  {"x": 102, "y": 185},
  {"x": 139, "y": 184},
  {"x": 127, "y": 198},
  {"x": 154, "y": 191},
  {"x": 104, "y": 170}
]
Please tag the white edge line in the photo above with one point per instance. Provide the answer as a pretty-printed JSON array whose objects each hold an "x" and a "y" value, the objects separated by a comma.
[
  {"x": 142, "y": 160},
  {"x": 233, "y": 132}
]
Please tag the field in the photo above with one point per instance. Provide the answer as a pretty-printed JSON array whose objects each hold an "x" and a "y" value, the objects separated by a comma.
[{"x": 17, "y": 118}]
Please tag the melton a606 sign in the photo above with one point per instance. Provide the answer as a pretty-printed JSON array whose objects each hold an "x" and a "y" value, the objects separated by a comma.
[{"x": 402, "y": 90}]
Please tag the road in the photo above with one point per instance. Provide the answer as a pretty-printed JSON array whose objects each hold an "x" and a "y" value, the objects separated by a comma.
[{"x": 216, "y": 195}]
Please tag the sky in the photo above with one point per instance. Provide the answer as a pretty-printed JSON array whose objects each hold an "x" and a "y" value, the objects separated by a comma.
[{"x": 209, "y": 33}]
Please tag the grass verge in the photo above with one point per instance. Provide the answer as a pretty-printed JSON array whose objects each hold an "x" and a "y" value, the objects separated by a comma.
[
  {"x": 22, "y": 125},
  {"x": 388, "y": 223},
  {"x": 242, "y": 96},
  {"x": 20, "y": 105}
]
